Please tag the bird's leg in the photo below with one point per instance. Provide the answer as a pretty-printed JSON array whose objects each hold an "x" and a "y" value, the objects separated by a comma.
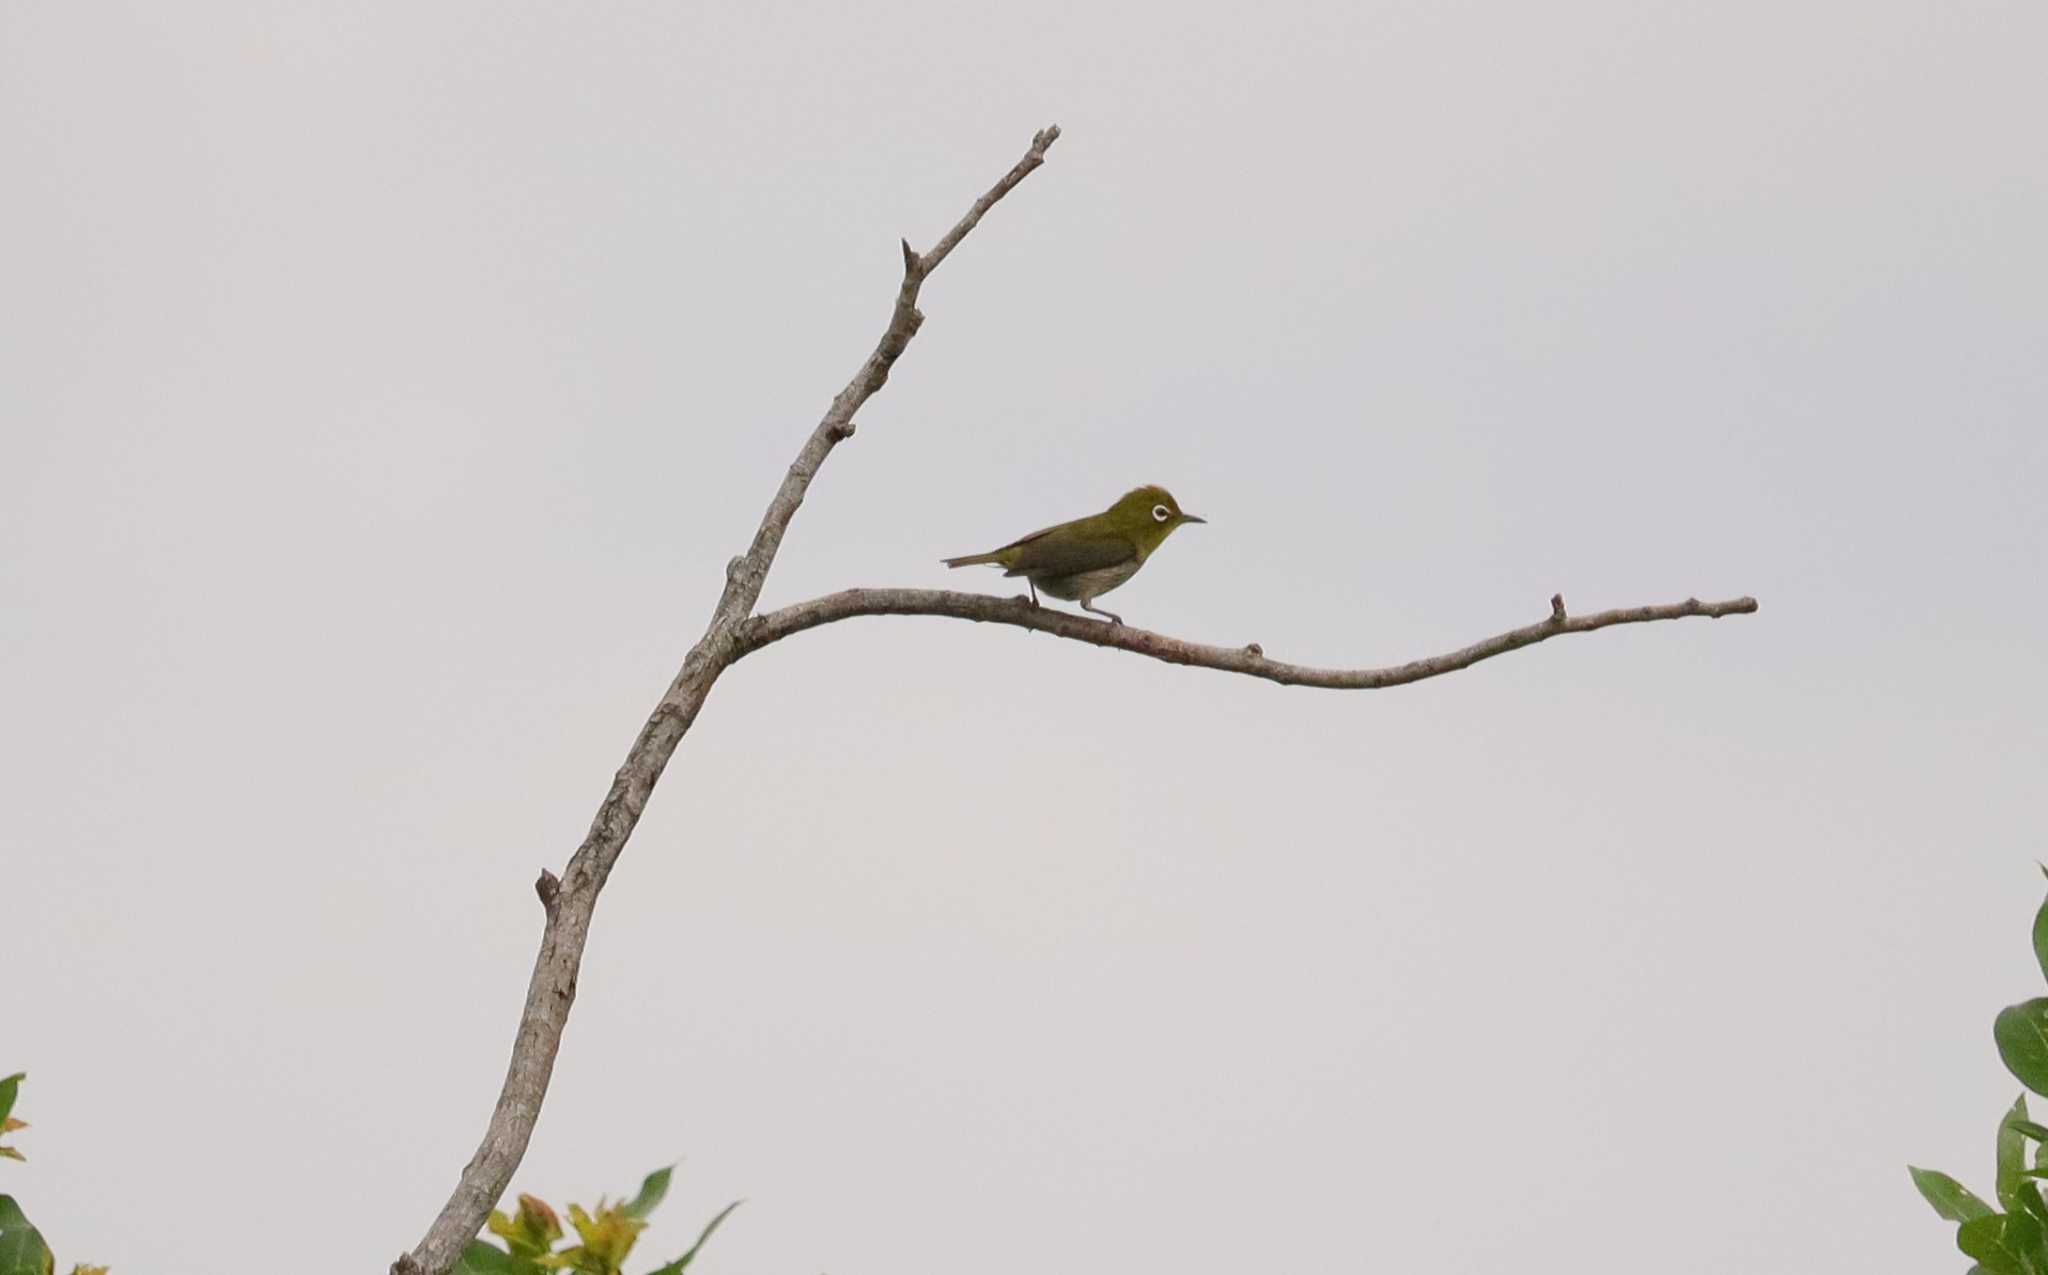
[
  {"x": 1111, "y": 616},
  {"x": 1033, "y": 586}
]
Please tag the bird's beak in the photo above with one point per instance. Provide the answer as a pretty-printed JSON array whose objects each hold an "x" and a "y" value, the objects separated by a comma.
[{"x": 1192, "y": 518}]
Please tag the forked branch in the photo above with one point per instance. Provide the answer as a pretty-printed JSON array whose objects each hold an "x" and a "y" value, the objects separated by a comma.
[
  {"x": 571, "y": 900},
  {"x": 734, "y": 631}
]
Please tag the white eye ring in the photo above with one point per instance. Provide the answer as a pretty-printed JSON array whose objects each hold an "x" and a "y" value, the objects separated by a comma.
[{"x": 1160, "y": 513}]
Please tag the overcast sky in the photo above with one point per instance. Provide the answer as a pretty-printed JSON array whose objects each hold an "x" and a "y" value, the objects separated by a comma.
[{"x": 384, "y": 386}]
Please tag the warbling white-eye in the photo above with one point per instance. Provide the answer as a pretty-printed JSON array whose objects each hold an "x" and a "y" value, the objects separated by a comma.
[{"x": 1086, "y": 558}]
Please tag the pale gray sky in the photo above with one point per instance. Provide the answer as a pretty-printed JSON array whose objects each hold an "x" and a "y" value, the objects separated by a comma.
[{"x": 384, "y": 386}]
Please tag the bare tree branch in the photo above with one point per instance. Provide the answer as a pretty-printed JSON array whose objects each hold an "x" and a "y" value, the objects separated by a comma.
[
  {"x": 570, "y": 902},
  {"x": 745, "y": 574},
  {"x": 733, "y": 632},
  {"x": 1250, "y": 660}
]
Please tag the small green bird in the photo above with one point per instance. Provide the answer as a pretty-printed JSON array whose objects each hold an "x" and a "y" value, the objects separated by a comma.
[{"x": 1086, "y": 558}]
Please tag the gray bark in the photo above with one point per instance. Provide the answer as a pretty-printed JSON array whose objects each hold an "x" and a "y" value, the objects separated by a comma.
[
  {"x": 1250, "y": 659},
  {"x": 571, "y": 899}
]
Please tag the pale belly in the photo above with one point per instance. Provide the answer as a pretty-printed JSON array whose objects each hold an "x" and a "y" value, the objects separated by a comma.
[{"x": 1086, "y": 586}]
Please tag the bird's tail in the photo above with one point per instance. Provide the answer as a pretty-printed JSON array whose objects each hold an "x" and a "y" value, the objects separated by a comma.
[{"x": 971, "y": 560}]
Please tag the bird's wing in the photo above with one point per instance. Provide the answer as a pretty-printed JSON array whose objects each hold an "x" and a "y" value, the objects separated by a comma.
[{"x": 1065, "y": 551}]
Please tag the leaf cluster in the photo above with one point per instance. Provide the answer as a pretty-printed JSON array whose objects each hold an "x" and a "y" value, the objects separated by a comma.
[
  {"x": 2011, "y": 1239},
  {"x": 22, "y": 1250},
  {"x": 536, "y": 1244}
]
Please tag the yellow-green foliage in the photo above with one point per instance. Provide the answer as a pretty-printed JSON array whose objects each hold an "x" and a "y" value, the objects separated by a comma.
[
  {"x": 533, "y": 1235},
  {"x": 22, "y": 1250},
  {"x": 604, "y": 1236}
]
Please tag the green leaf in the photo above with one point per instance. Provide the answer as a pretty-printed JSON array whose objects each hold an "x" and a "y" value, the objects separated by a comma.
[
  {"x": 2012, "y": 1155},
  {"x": 1949, "y": 1197},
  {"x": 483, "y": 1259},
  {"x": 2022, "y": 1034},
  {"x": 2041, "y": 937},
  {"x": 529, "y": 1233},
  {"x": 607, "y": 1238},
  {"x": 2004, "y": 1243},
  {"x": 2038, "y": 1132},
  {"x": 22, "y": 1251},
  {"x": 10, "y": 1089},
  {"x": 682, "y": 1263},
  {"x": 652, "y": 1188}
]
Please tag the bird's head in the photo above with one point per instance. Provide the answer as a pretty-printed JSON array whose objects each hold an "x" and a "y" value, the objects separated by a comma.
[{"x": 1148, "y": 515}]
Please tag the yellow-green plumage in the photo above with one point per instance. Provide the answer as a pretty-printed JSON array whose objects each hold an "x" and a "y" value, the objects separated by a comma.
[{"x": 1086, "y": 558}]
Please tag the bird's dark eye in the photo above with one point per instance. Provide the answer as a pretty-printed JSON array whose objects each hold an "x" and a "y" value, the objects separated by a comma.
[{"x": 1160, "y": 513}]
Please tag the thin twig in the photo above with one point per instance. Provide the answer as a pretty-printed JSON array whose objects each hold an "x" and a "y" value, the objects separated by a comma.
[
  {"x": 570, "y": 903},
  {"x": 1250, "y": 659},
  {"x": 745, "y": 575}
]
